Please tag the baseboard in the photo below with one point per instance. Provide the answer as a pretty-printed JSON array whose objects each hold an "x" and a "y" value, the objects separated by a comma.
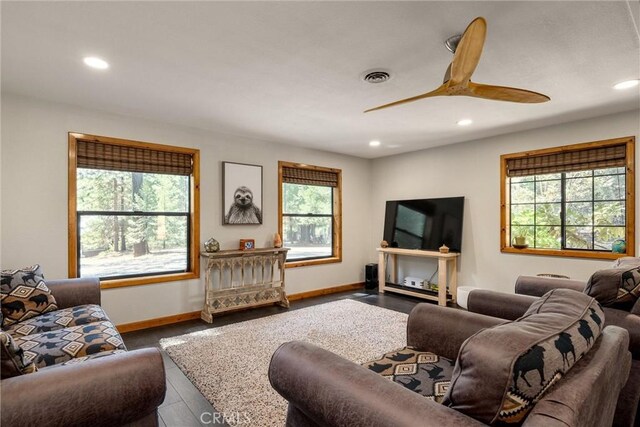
[
  {"x": 183, "y": 317},
  {"x": 158, "y": 321},
  {"x": 326, "y": 291}
]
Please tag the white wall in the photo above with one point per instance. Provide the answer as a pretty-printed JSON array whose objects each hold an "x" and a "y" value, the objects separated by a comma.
[
  {"x": 472, "y": 170},
  {"x": 34, "y": 200}
]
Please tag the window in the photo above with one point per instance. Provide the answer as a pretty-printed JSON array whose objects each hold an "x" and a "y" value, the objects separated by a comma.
[
  {"x": 133, "y": 211},
  {"x": 310, "y": 213},
  {"x": 575, "y": 200}
]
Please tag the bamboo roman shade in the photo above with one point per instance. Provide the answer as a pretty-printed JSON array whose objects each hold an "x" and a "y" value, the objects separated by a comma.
[
  {"x": 567, "y": 161},
  {"x": 292, "y": 175},
  {"x": 99, "y": 155}
]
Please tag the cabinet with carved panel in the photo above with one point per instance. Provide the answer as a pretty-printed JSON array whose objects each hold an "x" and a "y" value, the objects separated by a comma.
[{"x": 237, "y": 279}]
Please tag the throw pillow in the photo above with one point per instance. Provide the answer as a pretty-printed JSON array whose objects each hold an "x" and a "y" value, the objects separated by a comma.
[
  {"x": 501, "y": 372},
  {"x": 24, "y": 295},
  {"x": 618, "y": 286},
  {"x": 12, "y": 358}
]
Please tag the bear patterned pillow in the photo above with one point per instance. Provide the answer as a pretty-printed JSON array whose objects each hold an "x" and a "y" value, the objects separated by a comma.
[
  {"x": 24, "y": 295},
  {"x": 13, "y": 362}
]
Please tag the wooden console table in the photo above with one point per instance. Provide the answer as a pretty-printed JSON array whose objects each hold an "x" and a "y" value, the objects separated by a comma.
[
  {"x": 243, "y": 279},
  {"x": 447, "y": 274}
]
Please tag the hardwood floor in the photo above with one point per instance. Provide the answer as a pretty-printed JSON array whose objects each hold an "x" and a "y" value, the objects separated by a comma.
[{"x": 184, "y": 405}]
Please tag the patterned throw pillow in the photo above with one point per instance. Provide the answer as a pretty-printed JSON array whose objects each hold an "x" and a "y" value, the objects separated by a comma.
[
  {"x": 544, "y": 363},
  {"x": 422, "y": 372},
  {"x": 24, "y": 295},
  {"x": 13, "y": 362},
  {"x": 51, "y": 348},
  {"x": 503, "y": 371},
  {"x": 618, "y": 286}
]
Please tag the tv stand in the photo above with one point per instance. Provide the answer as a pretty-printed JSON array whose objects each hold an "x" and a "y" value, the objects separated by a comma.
[{"x": 447, "y": 274}]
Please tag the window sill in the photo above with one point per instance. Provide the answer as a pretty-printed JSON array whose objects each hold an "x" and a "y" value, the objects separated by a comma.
[
  {"x": 147, "y": 280},
  {"x": 309, "y": 262},
  {"x": 564, "y": 253}
]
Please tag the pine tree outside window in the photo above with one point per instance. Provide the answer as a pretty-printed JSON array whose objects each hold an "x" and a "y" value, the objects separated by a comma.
[
  {"x": 133, "y": 211},
  {"x": 310, "y": 213}
]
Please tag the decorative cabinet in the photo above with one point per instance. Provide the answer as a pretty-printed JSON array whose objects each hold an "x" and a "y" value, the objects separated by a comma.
[{"x": 237, "y": 279}]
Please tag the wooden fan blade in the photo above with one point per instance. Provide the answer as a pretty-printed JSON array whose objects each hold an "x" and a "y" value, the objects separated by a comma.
[
  {"x": 447, "y": 75},
  {"x": 503, "y": 93},
  {"x": 468, "y": 51},
  {"x": 438, "y": 92}
]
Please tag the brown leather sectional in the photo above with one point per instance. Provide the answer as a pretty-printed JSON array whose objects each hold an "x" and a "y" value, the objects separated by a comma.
[
  {"x": 530, "y": 288},
  {"x": 324, "y": 389},
  {"x": 102, "y": 384}
]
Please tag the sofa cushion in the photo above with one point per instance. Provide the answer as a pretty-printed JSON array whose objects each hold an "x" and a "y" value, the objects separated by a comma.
[
  {"x": 82, "y": 359},
  {"x": 50, "y": 348},
  {"x": 618, "y": 286},
  {"x": 12, "y": 359},
  {"x": 423, "y": 372},
  {"x": 501, "y": 372},
  {"x": 24, "y": 295},
  {"x": 59, "y": 319}
]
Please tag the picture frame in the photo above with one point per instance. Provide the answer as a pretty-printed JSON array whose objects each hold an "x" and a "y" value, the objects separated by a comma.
[{"x": 241, "y": 194}]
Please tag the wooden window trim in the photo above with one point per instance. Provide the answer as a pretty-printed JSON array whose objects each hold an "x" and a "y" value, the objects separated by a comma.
[
  {"x": 194, "y": 217},
  {"x": 336, "y": 221},
  {"x": 505, "y": 245}
]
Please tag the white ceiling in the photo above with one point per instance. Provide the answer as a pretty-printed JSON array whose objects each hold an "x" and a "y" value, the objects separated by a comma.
[{"x": 290, "y": 72}]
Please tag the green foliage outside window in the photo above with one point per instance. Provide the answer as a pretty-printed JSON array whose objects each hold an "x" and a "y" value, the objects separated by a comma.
[
  {"x": 131, "y": 214},
  {"x": 307, "y": 215},
  {"x": 571, "y": 210}
]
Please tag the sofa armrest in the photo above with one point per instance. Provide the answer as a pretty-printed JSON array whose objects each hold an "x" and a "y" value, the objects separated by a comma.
[
  {"x": 332, "y": 391},
  {"x": 636, "y": 308},
  {"x": 498, "y": 304},
  {"x": 72, "y": 292},
  {"x": 442, "y": 330},
  {"x": 108, "y": 391},
  {"x": 628, "y": 321},
  {"x": 537, "y": 286}
]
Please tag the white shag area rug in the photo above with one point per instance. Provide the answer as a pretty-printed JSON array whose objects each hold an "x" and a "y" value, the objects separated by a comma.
[{"x": 229, "y": 364}]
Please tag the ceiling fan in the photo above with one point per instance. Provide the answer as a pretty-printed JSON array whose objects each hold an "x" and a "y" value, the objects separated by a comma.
[{"x": 457, "y": 77}]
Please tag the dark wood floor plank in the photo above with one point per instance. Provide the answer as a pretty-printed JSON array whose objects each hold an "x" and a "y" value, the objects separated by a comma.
[
  {"x": 206, "y": 413},
  {"x": 183, "y": 386},
  {"x": 171, "y": 396},
  {"x": 168, "y": 362},
  {"x": 178, "y": 414},
  {"x": 184, "y": 405}
]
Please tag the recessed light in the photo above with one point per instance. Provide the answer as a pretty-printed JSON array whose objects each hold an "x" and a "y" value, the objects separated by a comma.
[
  {"x": 374, "y": 143},
  {"x": 95, "y": 62},
  {"x": 465, "y": 122},
  {"x": 628, "y": 84}
]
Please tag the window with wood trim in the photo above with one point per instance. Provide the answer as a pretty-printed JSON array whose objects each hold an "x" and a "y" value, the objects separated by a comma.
[
  {"x": 133, "y": 211},
  {"x": 576, "y": 200},
  {"x": 310, "y": 213}
]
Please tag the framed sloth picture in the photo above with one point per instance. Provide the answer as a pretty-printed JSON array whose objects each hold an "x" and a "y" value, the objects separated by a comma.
[{"x": 241, "y": 193}]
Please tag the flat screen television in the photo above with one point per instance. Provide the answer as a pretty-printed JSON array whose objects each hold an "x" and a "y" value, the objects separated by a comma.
[{"x": 424, "y": 223}]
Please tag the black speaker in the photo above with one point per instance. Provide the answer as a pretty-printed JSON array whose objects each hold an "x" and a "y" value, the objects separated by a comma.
[{"x": 371, "y": 276}]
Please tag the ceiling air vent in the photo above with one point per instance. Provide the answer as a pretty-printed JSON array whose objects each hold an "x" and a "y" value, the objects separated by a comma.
[{"x": 376, "y": 76}]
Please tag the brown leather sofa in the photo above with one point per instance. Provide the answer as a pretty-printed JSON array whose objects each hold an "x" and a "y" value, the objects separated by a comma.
[
  {"x": 324, "y": 389},
  {"x": 511, "y": 307},
  {"x": 121, "y": 388}
]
